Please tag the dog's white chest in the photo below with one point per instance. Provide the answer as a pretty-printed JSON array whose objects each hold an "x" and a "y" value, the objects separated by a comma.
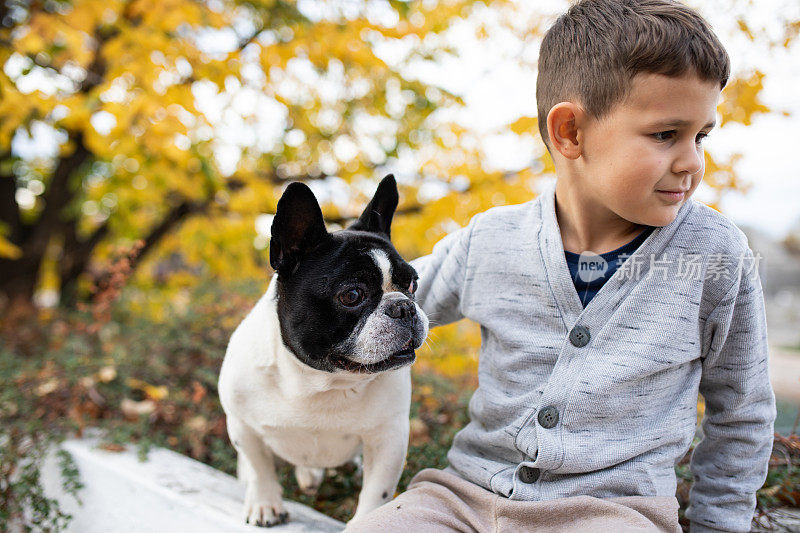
[
  {"x": 317, "y": 449},
  {"x": 322, "y": 430}
]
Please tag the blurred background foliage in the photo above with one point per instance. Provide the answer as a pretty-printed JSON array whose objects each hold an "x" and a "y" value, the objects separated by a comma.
[
  {"x": 178, "y": 123},
  {"x": 130, "y": 250}
]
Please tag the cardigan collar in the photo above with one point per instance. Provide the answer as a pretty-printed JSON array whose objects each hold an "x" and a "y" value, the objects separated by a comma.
[{"x": 617, "y": 287}]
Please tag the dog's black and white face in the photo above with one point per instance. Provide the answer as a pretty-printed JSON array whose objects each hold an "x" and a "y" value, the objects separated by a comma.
[{"x": 345, "y": 299}]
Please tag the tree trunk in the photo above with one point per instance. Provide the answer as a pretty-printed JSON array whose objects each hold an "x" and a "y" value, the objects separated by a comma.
[
  {"x": 18, "y": 276},
  {"x": 74, "y": 261}
]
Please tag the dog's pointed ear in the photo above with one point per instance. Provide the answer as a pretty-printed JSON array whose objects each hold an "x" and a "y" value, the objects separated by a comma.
[
  {"x": 298, "y": 226},
  {"x": 377, "y": 216}
]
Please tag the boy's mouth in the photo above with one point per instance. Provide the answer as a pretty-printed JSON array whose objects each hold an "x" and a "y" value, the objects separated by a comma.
[{"x": 674, "y": 195}]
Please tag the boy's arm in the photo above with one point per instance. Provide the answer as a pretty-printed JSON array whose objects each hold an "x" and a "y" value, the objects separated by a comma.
[
  {"x": 730, "y": 463},
  {"x": 441, "y": 277}
]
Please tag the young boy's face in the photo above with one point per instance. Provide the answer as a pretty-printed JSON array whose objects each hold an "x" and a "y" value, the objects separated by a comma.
[{"x": 649, "y": 143}]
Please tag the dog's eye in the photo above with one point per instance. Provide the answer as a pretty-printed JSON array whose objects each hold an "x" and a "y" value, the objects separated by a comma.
[{"x": 351, "y": 297}]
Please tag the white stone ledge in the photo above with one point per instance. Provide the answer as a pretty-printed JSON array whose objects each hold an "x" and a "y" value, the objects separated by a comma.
[
  {"x": 167, "y": 493},
  {"x": 171, "y": 493}
]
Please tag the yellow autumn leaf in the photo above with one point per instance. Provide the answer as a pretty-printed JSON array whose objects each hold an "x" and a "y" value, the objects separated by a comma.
[
  {"x": 8, "y": 249},
  {"x": 152, "y": 392}
]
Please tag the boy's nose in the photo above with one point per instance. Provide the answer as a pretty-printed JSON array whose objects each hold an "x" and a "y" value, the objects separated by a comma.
[{"x": 690, "y": 161}]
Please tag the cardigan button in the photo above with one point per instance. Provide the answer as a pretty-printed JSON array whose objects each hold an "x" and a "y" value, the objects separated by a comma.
[
  {"x": 548, "y": 417},
  {"x": 579, "y": 336},
  {"x": 528, "y": 474}
]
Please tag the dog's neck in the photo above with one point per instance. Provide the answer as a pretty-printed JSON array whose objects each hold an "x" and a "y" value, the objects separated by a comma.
[{"x": 295, "y": 377}]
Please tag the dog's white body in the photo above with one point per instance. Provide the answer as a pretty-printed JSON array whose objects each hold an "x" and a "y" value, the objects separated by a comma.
[{"x": 276, "y": 404}]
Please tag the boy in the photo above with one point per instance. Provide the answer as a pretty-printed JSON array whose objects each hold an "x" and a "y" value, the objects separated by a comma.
[{"x": 587, "y": 397}]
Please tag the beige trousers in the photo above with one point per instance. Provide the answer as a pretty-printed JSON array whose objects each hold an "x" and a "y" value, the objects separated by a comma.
[{"x": 440, "y": 501}]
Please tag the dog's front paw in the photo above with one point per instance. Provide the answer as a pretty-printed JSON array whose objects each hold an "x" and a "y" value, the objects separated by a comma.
[{"x": 264, "y": 513}]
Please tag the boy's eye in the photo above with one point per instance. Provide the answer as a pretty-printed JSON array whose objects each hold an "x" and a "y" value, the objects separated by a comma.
[{"x": 663, "y": 136}]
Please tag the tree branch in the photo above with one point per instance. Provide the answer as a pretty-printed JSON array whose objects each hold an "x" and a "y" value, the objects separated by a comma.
[
  {"x": 171, "y": 220},
  {"x": 344, "y": 220}
]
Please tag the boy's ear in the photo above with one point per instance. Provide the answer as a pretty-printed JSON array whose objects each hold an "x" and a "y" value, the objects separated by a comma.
[
  {"x": 377, "y": 216},
  {"x": 563, "y": 121},
  {"x": 298, "y": 226}
]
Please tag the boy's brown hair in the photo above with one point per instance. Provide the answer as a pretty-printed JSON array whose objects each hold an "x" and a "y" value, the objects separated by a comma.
[{"x": 592, "y": 52}]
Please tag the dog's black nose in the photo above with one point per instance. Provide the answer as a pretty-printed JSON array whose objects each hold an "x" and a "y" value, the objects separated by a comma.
[{"x": 401, "y": 309}]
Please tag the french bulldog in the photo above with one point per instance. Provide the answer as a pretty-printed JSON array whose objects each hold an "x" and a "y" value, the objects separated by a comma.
[{"x": 319, "y": 371}]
